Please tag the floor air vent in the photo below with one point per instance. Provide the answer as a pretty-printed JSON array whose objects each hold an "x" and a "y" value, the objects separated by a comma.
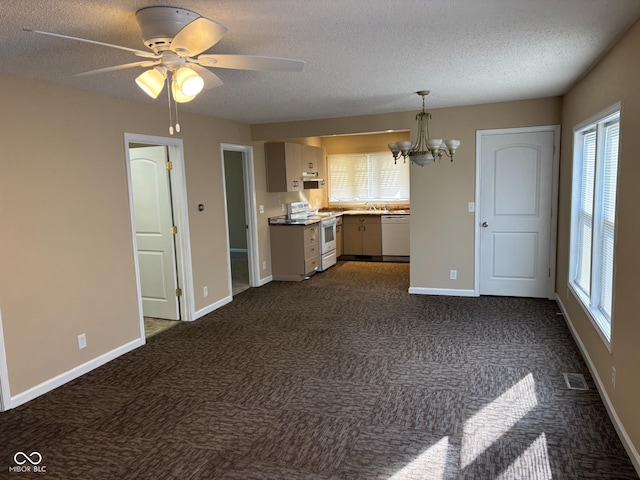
[{"x": 575, "y": 381}]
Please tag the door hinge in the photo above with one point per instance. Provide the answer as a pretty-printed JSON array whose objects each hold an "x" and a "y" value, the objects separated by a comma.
[
  {"x": 178, "y": 292},
  {"x": 169, "y": 165},
  {"x": 174, "y": 229}
]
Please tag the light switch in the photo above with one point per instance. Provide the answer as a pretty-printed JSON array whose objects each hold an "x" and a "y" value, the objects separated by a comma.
[
  {"x": 472, "y": 207},
  {"x": 261, "y": 208}
]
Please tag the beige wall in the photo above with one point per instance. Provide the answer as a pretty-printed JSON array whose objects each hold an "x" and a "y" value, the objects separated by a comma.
[
  {"x": 616, "y": 78},
  {"x": 66, "y": 253},
  {"x": 442, "y": 230}
]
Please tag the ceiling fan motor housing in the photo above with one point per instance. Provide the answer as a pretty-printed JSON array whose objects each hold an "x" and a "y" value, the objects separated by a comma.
[{"x": 159, "y": 25}]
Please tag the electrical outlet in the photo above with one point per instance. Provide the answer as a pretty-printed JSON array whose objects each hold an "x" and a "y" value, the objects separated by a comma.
[
  {"x": 264, "y": 265},
  {"x": 261, "y": 208},
  {"x": 453, "y": 274},
  {"x": 205, "y": 291},
  {"x": 471, "y": 207},
  {"x": 613, "y": 377},
  {"x": 82, "y": 341}
]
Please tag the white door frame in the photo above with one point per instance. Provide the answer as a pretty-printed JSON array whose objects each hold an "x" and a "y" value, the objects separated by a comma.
[
  {"x": 554, "y": 200},
  {"x": 5, "y": 393},
  {"x": 250, "y": 212},
  {"x": 181, "y": 219}
]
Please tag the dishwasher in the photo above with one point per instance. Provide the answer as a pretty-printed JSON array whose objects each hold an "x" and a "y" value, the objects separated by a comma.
[{"x": 395, "y": 237}]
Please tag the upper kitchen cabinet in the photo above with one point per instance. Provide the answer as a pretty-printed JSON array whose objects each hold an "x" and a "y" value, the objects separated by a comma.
[
  {"x": 293, "y": 166},
  {"x": 313, "y": 166},
  {"x": 284, "y": 166}
]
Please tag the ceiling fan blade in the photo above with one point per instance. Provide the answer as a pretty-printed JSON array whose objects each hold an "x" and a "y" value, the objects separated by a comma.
[
  {"x": 211, "y": 80},
  {"x": 145, "y": 64},
  {"x": 139, "y": 53},
  {"x": 197, "y": 36},
  {"x": 251, "y": 62}
]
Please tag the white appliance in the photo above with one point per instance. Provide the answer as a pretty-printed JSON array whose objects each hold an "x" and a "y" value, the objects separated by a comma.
[
  {"x": 328, "y": 242},
  {"x": 298, "y": 210},
  {"x": 395, "y": 237}
]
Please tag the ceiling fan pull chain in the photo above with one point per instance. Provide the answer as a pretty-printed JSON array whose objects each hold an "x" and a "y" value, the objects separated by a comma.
[
  {"x": 169, "y": 102},
  {"x": 177, "y": 120}
]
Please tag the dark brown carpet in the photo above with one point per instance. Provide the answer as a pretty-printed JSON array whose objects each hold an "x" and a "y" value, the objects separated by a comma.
[{"x": 343, "y": 376}]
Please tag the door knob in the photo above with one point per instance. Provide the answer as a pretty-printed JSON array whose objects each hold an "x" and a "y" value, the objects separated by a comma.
[{"x": 485, "y": 224}]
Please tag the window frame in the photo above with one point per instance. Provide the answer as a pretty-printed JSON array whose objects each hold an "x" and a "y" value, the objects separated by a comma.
[
  {"x": 359, "y": 201},
  {"x": 591, "y": 301}
]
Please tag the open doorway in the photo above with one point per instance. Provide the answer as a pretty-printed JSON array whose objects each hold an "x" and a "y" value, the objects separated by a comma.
[
  {"x": 237, "y": 167},
  {"x": 157, "y": 194}
]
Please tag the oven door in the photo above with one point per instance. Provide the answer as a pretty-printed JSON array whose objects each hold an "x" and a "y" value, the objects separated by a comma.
[{"x": 328, "y": 234}]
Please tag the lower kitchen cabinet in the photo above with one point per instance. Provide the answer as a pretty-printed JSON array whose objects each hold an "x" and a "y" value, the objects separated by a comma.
[
  {"x": 362, "y": 235},
  {"x": 295, "y": 251}
]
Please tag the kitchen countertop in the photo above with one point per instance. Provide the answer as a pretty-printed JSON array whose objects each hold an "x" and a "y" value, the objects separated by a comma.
[
  {"x": 317, "y": 218},
  {"x": 283, "y": 220},
  {"x": 376, "y": 212}
]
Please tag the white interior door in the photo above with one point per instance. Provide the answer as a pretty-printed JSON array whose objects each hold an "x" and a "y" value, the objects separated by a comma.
[
  {"x": 516, "y": 186},
  {"x": 155, "y": 240}
]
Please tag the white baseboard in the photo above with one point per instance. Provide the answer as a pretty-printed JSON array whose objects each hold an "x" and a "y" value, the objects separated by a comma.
[
  {"x": 72, "y": 374},
  {"x": 265, "y": 280},
  {"x": 450, "y": 292},
  {"x": 622, "y": 433},
  {"x": 212, "y": 307}
]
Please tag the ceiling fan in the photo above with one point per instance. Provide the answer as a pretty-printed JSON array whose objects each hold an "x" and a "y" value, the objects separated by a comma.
[{"x": 177, "y": 37}]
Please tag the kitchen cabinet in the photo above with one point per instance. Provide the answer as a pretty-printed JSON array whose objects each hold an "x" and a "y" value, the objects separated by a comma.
[
  {"x": 292, "y": 166},
  {"x": 362, "y": 235},
  {"x": 313, "y": 166},
  {"x": 295, "y": 251},
  {"x": 283, "y": 162}
]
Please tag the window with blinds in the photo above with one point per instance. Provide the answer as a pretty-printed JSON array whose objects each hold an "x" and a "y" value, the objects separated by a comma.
[
  {"x": 593, "y": 216},
  {"x": 367, "y": 177}
]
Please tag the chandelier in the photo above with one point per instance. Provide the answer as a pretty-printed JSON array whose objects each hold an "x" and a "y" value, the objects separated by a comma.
[{"x": 425, "y": 150}]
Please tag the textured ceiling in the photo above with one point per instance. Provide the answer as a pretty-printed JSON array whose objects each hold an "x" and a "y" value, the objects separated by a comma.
[{"x": 362, "y": 56}]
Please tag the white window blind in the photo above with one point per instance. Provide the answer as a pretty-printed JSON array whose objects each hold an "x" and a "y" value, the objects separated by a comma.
[
  {"x": 367, "y": 177},
  {"x": 593, "y": 216}
]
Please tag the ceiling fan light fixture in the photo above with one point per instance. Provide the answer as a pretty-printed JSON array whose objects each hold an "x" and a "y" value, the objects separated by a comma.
[
  {"x": 188, "y": 82},
  {"x": 178, "y": 96},
  {"x": 152, "y": 81}
]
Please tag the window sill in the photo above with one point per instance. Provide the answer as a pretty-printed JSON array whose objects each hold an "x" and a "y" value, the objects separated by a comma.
[{"x": 592, "y": 316}]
